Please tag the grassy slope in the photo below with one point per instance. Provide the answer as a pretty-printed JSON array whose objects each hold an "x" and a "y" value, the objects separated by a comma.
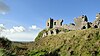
[
  {"x": 21, "y": 48},
  {"x": 73, "y": 43},
  {"x": 2, "y": 52},
  {"x": 5, "y": 46},
  {"x": 9, "y": 48}
]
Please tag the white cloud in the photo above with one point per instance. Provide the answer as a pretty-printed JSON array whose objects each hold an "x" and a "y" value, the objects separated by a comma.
[
  {"x": 19, "y": 33},
  {"x": 34, "y": 27},
  {"x": 22, "y": 36},
  {"x": 3, "y": 8},
  {"x": 15, "y": 29},
  {"x": 2, "y": 26}
]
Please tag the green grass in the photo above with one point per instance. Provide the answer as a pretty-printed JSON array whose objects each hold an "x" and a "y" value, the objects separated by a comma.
[
  {"x": 46, "y": 30},
  {"x": 72, "y": 43},
  {"x": 2, "y": 52}
]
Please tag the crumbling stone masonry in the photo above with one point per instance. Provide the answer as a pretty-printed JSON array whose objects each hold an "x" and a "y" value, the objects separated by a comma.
[
  {"x": 53, "y": 23},
  {"x": 80, "y": 23},
  {"x": 96, "y": 23},
  {"x": 51, "y": 32},
  {"x": 57, "y": 23},
  {"x": 49, "y": 23},
  {"x": 45, "y": 34}
]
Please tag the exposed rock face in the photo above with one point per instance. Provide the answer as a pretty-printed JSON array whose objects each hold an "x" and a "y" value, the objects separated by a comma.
[{"x": 81, "y": 22}]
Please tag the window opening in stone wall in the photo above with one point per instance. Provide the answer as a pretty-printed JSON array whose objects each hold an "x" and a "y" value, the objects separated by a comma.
[
  {"x": 54, "y": 23},
  {"x": 61, "y": 23},
  {"x": 84, "y": 27},
  {"x": 51, "y": 32},
  {"x": 95, "y": 26},
  {"x": 48, "y": 24}
]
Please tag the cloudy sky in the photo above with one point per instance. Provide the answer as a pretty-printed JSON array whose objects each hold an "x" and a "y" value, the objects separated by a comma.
[{"x": 22, "y": 20}]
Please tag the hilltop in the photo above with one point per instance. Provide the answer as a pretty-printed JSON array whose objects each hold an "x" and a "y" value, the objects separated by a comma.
[
  {"x": 80, "y": 23},
  {"x": 73, "y": 43}
]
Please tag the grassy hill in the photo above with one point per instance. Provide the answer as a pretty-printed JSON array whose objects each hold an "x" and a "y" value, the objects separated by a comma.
[{"x": 72, "y": 43}]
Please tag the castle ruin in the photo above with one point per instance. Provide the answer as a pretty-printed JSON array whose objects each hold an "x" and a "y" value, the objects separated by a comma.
[
  {"x": 53, "y": 23},
  {"x": 80, "y": 23}
]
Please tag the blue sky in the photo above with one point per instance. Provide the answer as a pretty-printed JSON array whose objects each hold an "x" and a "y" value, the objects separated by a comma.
[{"x": 28, "y": 13}]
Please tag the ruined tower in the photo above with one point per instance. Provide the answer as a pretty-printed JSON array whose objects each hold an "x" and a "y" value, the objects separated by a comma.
[
  {"x": 49, "y": 23},
  {"x": 53, "y": 23},
  {"x": 57, "y": 23},
  {"x": 81, "y": 22},
  {"x": 96, "y": 23}
]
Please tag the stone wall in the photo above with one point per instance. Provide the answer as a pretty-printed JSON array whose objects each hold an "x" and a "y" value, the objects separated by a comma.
[
  {"x": 80, "y": 23},
  {"x": 49, "y": 23},
  {"x": 69, "y": 27},
  {"x": 51, "y": 32},
  {"x": 53, "y": 23},
  {"x": 96, "y": 23},
  {"x": 57, "y": 23}
]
